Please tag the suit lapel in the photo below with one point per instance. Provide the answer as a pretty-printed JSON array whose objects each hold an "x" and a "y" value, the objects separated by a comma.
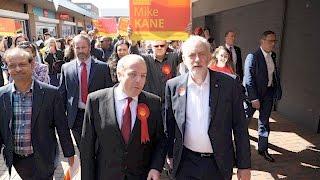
[
  {"x": 37, "y": 100},
  {"x": 8, "y": 106},
  {"x": 92, "y": 71},
  {"x": 75, "y": 73},
  {"x": 182, "y": 101},
  {"x": 110, "y": 114},
  {"x": 213, "y": 96}
]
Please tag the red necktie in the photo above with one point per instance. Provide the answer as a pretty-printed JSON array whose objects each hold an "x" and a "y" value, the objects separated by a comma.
[
  {"x": 126, "y": 122},
  {"x": 84, "y": 82}
]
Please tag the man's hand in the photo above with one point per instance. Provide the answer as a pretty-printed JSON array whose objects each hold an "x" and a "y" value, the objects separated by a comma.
[
  {"x": 170, "y": 162},
  {"x": 153, "y": 175},
  {"x": 244, "y": 174},
  {"x": 71, "y": 161},
  {"x": 255, "y": 104}
]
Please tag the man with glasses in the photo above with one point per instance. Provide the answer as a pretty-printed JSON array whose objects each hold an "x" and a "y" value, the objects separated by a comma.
[
  {"x": 107, "y": 47},
  {"x": 262, "y": 83},
  {"x": 31, "y": 114},
  {"x": 162, "y": 66}
]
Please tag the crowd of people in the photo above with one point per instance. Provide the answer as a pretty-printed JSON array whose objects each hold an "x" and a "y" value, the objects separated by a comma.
[{"x": 135, "y": 107}]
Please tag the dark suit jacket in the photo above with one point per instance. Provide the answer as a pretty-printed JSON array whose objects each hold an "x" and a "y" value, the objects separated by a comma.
[
  {"x": 99, "y": 78},
  {"x": 239, "y": 69},
  {"x": 226, "y": 114},
  {"x": 104, "y": 155},
  {"x": 1, "y": 77},
  {"x": 256, "y": 76},
  {"x": 46, "y": 118}
]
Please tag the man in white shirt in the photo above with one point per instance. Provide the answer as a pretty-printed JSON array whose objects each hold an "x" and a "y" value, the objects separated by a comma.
[
  {"x": 202, "y": 108},
  {"x": 262, "y": 83},
  {"x": 123, "y": 135}
]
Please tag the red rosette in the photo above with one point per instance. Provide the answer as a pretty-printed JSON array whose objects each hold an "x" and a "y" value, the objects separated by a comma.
[
  {"x": 143, "y": 113},
  {"x": 166, "y": 69}
]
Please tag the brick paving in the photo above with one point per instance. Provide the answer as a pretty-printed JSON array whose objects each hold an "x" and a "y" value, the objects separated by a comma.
[{"x": 296, "y": 151}]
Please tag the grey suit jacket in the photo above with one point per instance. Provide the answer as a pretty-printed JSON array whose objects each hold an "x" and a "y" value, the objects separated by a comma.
[
  {"x": 226, "y": 114},
  {"x": 104, "y": 155},
  {"x": 46, "y": 117},
  {"x": 99, "y": 78}
]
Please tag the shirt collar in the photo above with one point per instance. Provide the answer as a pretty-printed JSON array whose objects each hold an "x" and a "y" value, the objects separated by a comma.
[
  {"x": 205, "y": 82},
  {"x": 88, "y": 62},
  {"x": 120, "y": 95},
  {"x": 164, "y": 59},
  {"x": 265, "y": 54},
  {"x": 227, "y": 46},
  {"x": 13, "y": 90}
]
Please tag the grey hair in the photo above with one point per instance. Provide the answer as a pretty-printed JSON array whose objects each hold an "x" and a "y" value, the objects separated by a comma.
[
  {"x": 82, "y": 37},
  {"x": 17, "y": 52},
  {"x": 123, "y": 62},
  {"x": 192, "y": 41}
]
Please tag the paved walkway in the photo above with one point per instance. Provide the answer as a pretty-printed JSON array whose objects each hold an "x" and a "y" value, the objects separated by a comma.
[{"x": 296, "y": 151}]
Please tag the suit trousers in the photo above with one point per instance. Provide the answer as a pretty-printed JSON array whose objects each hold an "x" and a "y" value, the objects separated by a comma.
[
  {"x": 77, "y": 127},
  {"x": 263, "y": 123},
  {"x": 26, "y": 168},
  {"x": 193, "y": 166}
]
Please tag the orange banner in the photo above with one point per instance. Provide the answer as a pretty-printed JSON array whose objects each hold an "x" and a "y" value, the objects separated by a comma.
[
  {"x": 106, "y": 26},
  {"x": 123, "y": 25},
  {"x": 159, "y": 19},
  {"x": 7, "y": 27}
]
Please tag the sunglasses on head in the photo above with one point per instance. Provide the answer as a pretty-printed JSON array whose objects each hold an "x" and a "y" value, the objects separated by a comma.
[{"x": 162, "y": 45}]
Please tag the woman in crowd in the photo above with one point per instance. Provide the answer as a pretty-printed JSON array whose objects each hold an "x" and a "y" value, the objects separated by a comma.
[
  {"x": 121, "y": 48},
  {"x": 17, "y": 39},
  {"x": 53, "y": 57},
  {"x": 69, "y": 53},
  {"x": 221, "y": 61},
  {"x": 40, "y": 71}
]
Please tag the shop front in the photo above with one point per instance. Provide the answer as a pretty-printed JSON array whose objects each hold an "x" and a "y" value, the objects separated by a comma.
[{"x": 12, "y": 23}]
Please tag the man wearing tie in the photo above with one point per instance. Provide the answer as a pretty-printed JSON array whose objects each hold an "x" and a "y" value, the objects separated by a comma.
[
  {"x": 262, "y": 83},
  {"x": 235, "y": 52},
  {"x": 123, "y": 135},
  {"x": 203, "y": 109},
  {"x": 80, "y": 77}
]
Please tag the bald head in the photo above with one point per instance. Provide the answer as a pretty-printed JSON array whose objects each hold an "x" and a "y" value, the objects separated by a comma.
[
  {"x": 129, "y": 60},
  {"x": 132, "y": 73}
]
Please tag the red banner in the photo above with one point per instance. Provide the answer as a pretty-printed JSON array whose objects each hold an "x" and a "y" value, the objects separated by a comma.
[
  {"x": 123, "y": 26},
  {"x": 159, "y": 19},
  {"x": 106, "y": 26},
  {"x": 7, "y": 27}
]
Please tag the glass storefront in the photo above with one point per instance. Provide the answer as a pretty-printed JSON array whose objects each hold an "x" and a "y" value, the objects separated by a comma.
[
  {"x": 67, "y": 30},
  {"x": 42, "y": 28}
]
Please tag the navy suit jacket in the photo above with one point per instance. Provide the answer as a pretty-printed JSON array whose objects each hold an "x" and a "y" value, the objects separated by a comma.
[
  {"x": 99, "y": 78},
  {"x": 256, "y": 76},
  {"x": 226, "y": 115},
  {"x": 47, "y": 116}
]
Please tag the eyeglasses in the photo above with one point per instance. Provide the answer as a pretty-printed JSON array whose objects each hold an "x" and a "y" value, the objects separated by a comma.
[{"x": 162, "y": 45}]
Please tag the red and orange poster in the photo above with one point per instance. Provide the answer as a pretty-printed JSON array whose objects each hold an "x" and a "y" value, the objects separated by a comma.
[
  {"x": 159, "y": 19},
  {"x": 106, "y": 26},
  {"x": 123, "y": 25},
  {"x": 7, "y": 27}
]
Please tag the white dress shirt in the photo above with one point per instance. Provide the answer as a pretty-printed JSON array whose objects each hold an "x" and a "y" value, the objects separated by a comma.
[
  {"x": 121, "y": 102},
  {"x": 270, "y": 66},
  {"x": 234, "y": 55},
  {"x": 196, "y": 136},
  {"x": 82, "y": 105}
]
